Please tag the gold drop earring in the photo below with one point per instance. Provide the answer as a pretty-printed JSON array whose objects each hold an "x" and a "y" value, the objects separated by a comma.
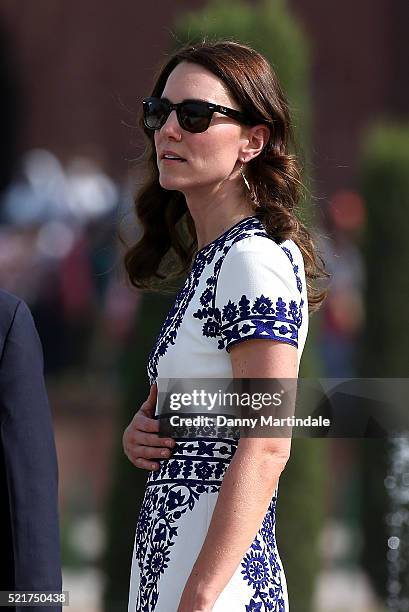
[{"x": 252, "y": 196}]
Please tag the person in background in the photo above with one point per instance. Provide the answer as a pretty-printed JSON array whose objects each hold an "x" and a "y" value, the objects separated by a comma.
[{"x": 29, "y": 528}]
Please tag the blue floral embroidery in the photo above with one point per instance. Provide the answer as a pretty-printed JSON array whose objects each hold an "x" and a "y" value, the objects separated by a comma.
[
  {"x": 295, "y": 267},
  {"x": 279, "y": 321},
  {"x": 197, "y": 467},
  {"x": 261, "y": 569}
]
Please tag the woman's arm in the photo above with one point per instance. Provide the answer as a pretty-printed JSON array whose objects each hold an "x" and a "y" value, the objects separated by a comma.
[{"x": 248, "y": 484}]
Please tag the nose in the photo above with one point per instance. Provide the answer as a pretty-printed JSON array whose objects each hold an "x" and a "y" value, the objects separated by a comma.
[{"x": 171, "y": 127}]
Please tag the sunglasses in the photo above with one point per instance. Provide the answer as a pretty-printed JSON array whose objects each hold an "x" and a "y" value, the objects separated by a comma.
[{"x": 193, "y": 115}]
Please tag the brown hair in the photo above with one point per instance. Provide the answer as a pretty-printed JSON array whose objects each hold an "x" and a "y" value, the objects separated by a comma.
[{"x": 168, "y": 243}]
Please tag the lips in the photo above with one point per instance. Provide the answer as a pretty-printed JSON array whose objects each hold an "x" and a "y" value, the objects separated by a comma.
[{"x": 171, "y": 156}]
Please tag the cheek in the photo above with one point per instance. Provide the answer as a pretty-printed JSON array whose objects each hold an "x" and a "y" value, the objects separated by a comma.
[{"x": 215, "y": 155}]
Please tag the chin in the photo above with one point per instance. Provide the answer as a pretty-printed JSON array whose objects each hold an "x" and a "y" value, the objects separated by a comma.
[{"x": 172, "y": 183}]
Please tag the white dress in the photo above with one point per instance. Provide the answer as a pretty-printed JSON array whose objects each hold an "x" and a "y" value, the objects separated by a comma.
[{"x": 242, "y": 285}]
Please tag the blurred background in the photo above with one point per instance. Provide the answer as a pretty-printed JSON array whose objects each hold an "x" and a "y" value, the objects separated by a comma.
[{"x": 72, "y": 76}]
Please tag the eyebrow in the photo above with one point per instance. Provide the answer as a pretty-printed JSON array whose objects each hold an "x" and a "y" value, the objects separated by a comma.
[{"x": 191, "y": 100}]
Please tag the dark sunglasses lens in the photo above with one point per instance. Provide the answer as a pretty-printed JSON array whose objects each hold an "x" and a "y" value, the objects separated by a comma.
[
  {"x": 155, "y": 113},
  {"x": 195, "y": 117}
]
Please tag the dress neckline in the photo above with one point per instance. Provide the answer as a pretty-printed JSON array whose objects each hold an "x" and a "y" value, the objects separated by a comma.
[{"x": 227, "y": 231}]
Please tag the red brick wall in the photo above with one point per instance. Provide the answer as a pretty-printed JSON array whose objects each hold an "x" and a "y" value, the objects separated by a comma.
[{"x": 85, "y": 63}]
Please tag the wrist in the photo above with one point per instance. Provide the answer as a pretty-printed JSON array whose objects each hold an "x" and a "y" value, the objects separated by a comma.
[{"x": 204, "y": 595}]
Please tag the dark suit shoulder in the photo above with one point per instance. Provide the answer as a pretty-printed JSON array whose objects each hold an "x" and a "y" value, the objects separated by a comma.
[
  {"x": 8, "y": 307},
  {"x": 15, "y": 318},
  {"x": 8, "y": 303}
]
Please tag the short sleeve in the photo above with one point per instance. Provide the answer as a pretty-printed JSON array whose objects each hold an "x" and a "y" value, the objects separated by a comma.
[{"x": 259, "y": 293}]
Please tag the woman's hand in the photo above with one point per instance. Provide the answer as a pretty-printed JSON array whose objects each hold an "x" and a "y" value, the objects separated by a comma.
[{"x": 140, "y": 440}]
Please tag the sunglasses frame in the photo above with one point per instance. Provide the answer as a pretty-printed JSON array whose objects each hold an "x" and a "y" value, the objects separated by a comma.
[{"x": 212, "y": 108}]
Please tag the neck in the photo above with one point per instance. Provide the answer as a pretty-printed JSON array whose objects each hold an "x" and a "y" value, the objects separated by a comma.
[
  {"x": 214, "y": 211},
  {"x": 212, "y": 217}
]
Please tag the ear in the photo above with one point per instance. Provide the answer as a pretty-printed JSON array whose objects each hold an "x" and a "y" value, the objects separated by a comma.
[{"x": 256, "y": 139}]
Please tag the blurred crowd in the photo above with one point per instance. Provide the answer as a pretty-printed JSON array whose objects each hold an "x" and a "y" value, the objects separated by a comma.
[{"x": 59, "y": 250}]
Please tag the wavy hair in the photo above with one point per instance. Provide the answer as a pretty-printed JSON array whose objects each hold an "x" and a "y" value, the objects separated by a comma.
[{"x": 168, "y": 243}]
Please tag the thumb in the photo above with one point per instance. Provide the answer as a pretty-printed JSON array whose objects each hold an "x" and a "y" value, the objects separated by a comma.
[
  {"x": 153, "y": 393},
  {"x": 153, "y": 389}
]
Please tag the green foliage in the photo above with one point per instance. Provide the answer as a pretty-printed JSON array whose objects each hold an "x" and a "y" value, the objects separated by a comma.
[
  {"x": 385, "y": 188},
  {"x": 300, "y": 517},
  {"x": 70, "y": 557}
]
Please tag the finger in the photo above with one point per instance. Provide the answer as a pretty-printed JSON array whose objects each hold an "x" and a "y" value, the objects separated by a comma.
[
  {"x": 149, "y": 405},
  {"x": 152, "y": 397},
  {"x": 142, "y": 425},
  {"x": 149, "y": 452},
  {"x": 135, "y": 434},
  {"x": 149, "y": 439},
  {"x": 144, "y": 464}
]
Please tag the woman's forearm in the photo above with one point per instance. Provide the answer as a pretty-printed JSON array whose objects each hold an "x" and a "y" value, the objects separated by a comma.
[{"x": 245, "y": 494}]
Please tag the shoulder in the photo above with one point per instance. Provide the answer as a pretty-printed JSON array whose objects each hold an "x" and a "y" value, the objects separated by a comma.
[
  {"x": 264, "y": 246},
  {"x": 8, "y": 306},
  {"x": 260, "y": 258},
  {"x": 12, "y": 307},
  {"x": 15, "y": 318}
]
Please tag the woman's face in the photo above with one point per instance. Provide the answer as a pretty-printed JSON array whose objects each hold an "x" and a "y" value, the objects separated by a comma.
[{"x": 211, "y": 155}]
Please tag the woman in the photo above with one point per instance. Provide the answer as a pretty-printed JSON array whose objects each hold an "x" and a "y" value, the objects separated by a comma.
[{"x": 218, "y": 129}]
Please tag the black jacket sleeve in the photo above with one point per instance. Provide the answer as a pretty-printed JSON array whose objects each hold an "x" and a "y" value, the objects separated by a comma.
[{"x": 28, "y": 465}]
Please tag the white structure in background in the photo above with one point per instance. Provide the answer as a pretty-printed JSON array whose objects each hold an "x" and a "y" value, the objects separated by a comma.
[
  {"x": 46, "y": 191},
  {"x": 90, "y": 192},
  {"x": 397, "y": 519},
  {"x": 338, "y": 588},
  {"x": 44, "y": 213}
]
